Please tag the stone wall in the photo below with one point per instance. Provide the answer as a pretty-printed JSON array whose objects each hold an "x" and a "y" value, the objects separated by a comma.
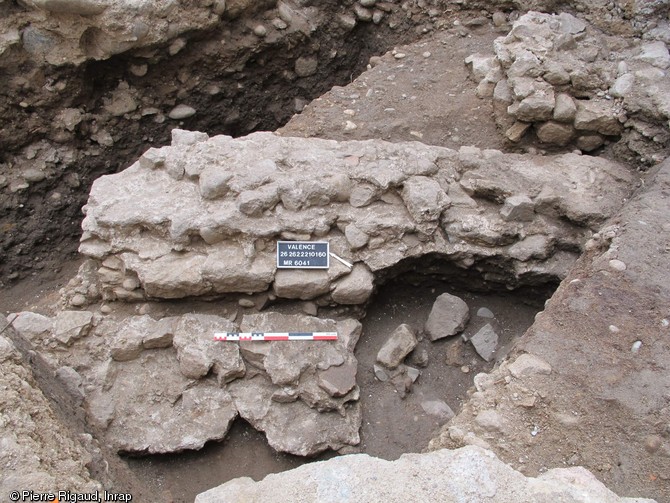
[
  {"x": 573, "y": 85},
  {"x": 202, "y": 217}
]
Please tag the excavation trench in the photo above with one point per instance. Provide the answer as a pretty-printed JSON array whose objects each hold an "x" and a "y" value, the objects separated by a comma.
[
  {"x": 120, "y": 107},
  {"x": 393, "y": 421}
]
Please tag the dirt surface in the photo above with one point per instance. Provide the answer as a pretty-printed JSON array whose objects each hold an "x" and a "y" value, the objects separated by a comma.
[
  {"x": 420, "y": 92},
  {"x": 429, "y": 98}
]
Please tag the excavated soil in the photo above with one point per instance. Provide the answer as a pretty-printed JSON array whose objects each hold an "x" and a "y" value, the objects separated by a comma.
[{"x": 425, "y": 95}]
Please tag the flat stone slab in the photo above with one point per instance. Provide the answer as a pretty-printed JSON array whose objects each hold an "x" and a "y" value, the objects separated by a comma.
[{"x": 467, "y": 474}]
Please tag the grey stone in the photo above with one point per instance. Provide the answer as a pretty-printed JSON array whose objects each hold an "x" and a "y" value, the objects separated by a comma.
[
  {"x": 306, "y": 66},
  {"x": 491, "y": 421},
  {"x": 213, "y": 182},
  {"x": 301, "y": 284},
  {"x": 181, "y": 112},
  {"x": 359, "y": 195},
  {"x": 483, "y": 66},
  {"x": 419, "y": 357},
  {"x": 412, "y": 373},
  {"x": 555, "y": 133},
  {"x": 246, "y": 302},
  {"x": 590, "y": 142},
  {"x": 438, "y": 409},
  {"x": 517, "y": 131},
  {"x": 528, "y": 365},
  {"x": 356, "y": 287},
  {"x": 69, "y": 326},
  {"x": 485, "y": 342},
  {"x": 121, "y": 102},
  {"x": 309, "y": 308},
  {"x": 285, "y": 363},
  {"x": 338, "y": 380},
  {"x": 467, "y": 474},
  {"x": 484, "y": 312},
  {"x": 424, "y": 198},
  {"x": 565, "y": 108},
  {"x": 356, "y": 237},
  {"x": 79, "y": 7},
  {"x": 556, "y": 74},
  {"x": 160, "y": 334},
  {"x": 198, "y": 353},
  {"x": 519, "y": 208},
  {"x": 539, "y": 106},
  {"x": 184, "y": 137},
  {"x": 72, "y": 381},
  {"x": 622, "y": 86},
  {"x": 656, "y": 54},
  {"x": 32, "y": 326},
  {"x": 167, "y": 413},
  {"x": 294, "y": 427},
  {"x": 570, "y": 24},
  {"x": 126, "y": 347},
  {"x": 447, "y": 317},
  {"x": 363, "y": 195},
  {"x": 499, "y": 19},
  {"x": 400, "y": 343},
  {"x": 254, "y": 202},
  {"x": 535, "y": 246},
  {"x": 380, "y": 373},
  {"x": 597, "y": 116}
]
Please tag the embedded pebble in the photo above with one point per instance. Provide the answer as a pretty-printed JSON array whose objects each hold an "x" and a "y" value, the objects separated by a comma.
[
  {"x": 380, "y": 373},
  {"x": 176, "y": 46},
  {"x": 260, "y": 30},
  {"x": 399, "y": 55},
  {"x": 310, "y": 308},
  {"x": 614, "y": 329},
  {"x": 139, "y": 70},
  {"x": 617, "y": 265},
  {"x": 465, "y": 369},
  {"x": 130, "y": 284},
  {"x": 427, "y": 54},
  {"x": 181, "y": 112},
  {"x": 350, "y": 126},
  {"x": 279, "y": 24},
  {"x": 636, "y": 346},
  {"x": 484, "y": 312},
  {"x": 105, "y": 309},
  {"x": 246, "y": 303},
  {"x": 652, "y": 443},
  {"x": 78, "y": 300}
]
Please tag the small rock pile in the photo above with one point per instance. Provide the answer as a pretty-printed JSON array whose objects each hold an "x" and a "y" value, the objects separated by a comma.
[
  {"x": 448, "y": 317},
  {"x": 575, "y": 86}
]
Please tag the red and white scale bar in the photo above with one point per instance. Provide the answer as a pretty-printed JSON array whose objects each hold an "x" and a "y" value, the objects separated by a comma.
[{"x": 275, "y": 336}]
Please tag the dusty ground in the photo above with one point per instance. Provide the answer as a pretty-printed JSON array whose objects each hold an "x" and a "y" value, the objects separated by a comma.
[{"x": 429, "y": 98}]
